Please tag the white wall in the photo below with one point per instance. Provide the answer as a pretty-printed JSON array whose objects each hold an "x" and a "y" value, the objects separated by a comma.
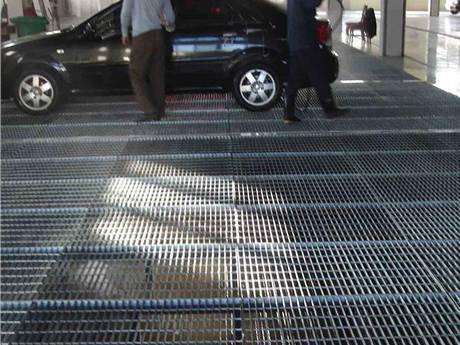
[
  {"x": 86, "y": 8},
  {"x": 283, "y": 3},
  {"x": 412, "y": 5},
  {"x": 15, "y": 8}
]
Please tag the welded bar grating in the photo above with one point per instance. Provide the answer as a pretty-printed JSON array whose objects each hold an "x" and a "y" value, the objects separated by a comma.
[
  {"x": 257, "y": 271},
  {"x": 302, "y": 163},
  {"x": 387, "y": 320},
  {"x": 222, "y": 226}
]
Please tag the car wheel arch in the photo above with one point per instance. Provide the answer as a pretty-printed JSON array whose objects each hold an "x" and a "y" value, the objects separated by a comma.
[
  {"x": 55, "y": 68},
  {"x": 253, "y": 56},
  {"x": 263, "y": 55}
]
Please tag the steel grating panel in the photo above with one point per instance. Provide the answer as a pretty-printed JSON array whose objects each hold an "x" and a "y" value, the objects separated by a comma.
[
  {"x": 23, "y": 274},
  {"x": 440, "y": 222},
  {"x": 119, "y": 227},
  {"x": 116, "y": 117},
  {"x": 104, "y": 130},
  {"x": 45, "y": 228},
  {"x": 203, "y": 130},
  {"x": 214, "y": 225},
  {"x": 223, "y": 272},
  {"x": 383, "y": 125},
  {"x": 118, "y": 192},
  {"x": 348, "y": 143},
  {"x": 166, "y": 273},
  {"x": 402, "y": 142},
  {"x": 285, "y": 224},
  {"x": 404, "y": 112},
  {"x": 416, "y": 188},
  {"x": 119, "y": 105},
  {"x": 431, "y": 114},
  {"x": 341, "y": 270},
  {"x": 21, "y": 151},
  {"x": 296, "y": 165},
  {"x": 404, "y": 163},
  {"x": 208, "y": 191},
  {"x": 252, "y": 144},
  {"x": 348, "y": 163},
  {"x": 126, "y": 147},
  {"x": 304, "y": 190},
  {"x": 209, "y": 165},
  {"x": 219, "y": 225},
  {"x": 385, "y": 321},
  {"x": 306, "y": 163},
  {"x": 54, "y": 170},
  {"x": 320, "y": 125},
  {"x": 441, "y": 259},
  {"x": 216, "y": 126}
]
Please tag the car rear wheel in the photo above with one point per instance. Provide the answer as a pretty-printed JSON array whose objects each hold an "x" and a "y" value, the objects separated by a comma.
[
  {"x": 37, "y": 92},
  {"x": 257, "y": 87}
]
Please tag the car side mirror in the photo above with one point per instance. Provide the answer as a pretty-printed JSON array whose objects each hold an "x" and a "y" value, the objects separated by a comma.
[{"x": 89, "y": 31}]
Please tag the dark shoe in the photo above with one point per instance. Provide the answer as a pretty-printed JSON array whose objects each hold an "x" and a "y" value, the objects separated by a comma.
[
  {"x": 149, "y": 118},
  {"x": 336, "y": 112},
  {"x": 291, "y": 119}
]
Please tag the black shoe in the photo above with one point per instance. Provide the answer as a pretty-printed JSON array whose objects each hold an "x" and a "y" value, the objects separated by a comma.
[
  {"x": 149, "y": 119},
  {"x": 336, "y": 112},
  {"x": 291, "y": 119}
]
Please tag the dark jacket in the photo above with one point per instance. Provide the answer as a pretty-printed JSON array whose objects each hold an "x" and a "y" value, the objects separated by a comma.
[{"x": 302, "y": 24}]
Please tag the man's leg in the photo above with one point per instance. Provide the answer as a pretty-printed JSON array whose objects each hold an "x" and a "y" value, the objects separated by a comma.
[
  {"x": 157, "y": 73},
  {"x": 296, "y": 76},
  {"x": 139, "y": 68},
  {"x": 317, "y": 74}
]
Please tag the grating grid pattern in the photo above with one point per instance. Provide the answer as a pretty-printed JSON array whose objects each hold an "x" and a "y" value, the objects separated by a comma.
[{"x": 222, "y": 226}]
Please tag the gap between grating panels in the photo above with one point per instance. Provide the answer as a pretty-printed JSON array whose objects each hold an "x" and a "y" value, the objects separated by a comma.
[
  {"x": 448, "y": 121},
  {"x": 133, "y": 137},
  {"x": 219, "y": 304}
]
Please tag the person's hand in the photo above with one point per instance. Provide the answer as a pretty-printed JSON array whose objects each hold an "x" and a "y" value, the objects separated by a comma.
[
  {"x": 125, "y": 40},
  {"x": 164, "y": 22}
]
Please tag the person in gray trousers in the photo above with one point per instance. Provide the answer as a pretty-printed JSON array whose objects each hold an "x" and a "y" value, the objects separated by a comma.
[{"x": 147, "y": 62}]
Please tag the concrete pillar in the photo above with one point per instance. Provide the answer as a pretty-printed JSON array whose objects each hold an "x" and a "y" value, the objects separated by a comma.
[
  {"x": 434, "y": 8},
  {"x": 392, "y": 28},
  {"x": 334, "y": 14},
  {"x": 432, "y": 47},
  {"x": 15, "y": 8}
]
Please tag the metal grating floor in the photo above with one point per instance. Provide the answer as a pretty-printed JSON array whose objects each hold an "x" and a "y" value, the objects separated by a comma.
[{"x": 220, "y": 226}]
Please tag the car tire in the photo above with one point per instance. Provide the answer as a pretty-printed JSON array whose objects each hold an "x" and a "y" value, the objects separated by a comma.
[
  {"x": 37, "y": 92},
  {"x": 257, "y": 87}
]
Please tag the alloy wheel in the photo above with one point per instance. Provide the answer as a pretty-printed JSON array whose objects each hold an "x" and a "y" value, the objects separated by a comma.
[
  {"x": 36, "y": 92},
  {"x": 258, "y": 87}
]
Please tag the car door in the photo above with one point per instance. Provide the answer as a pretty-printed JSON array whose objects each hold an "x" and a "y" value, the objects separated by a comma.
[
  {"x": 208, "y": 33},
  {"x": 101, "y": 61}
]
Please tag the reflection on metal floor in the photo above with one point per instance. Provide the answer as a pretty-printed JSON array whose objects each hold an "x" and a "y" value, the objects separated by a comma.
[{"x": 222, "y": 226}]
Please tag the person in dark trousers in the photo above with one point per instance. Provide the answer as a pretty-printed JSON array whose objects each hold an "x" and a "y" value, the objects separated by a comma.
[
  {"x": 305, "y": 59},
  {"x": 147, "y": 62}
]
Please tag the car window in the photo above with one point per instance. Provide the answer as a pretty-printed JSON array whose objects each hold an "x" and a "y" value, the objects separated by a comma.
[
  {"x": 199, "y": 12},
  {"x": 249, "y": 10},
  {"x": 109, "y": 23}
]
